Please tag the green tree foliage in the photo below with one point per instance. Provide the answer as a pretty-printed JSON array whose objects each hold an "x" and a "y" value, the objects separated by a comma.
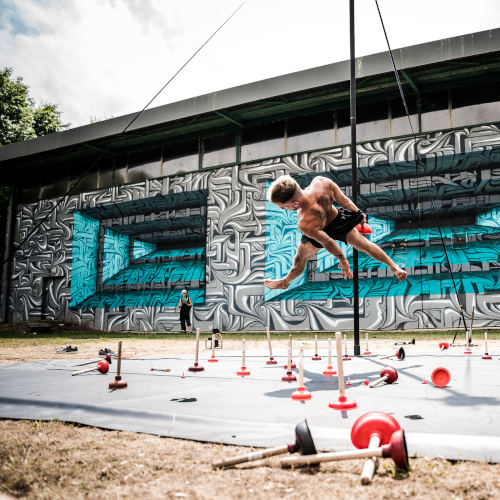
[{"x": 20, "y": 117}]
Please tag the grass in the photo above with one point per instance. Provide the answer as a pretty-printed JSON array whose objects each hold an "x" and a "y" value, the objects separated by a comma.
[{"x": 64, "y": 336}]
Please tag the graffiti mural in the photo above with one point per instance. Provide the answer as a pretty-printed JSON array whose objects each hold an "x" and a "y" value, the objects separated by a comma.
[{"x": 116, "y": 258}]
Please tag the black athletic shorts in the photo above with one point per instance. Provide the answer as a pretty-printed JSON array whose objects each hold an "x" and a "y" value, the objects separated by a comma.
[{"x": 339, "y": 227}]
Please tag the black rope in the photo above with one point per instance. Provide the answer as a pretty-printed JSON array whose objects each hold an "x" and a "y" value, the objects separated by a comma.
[
  {"x": 100, "y": 156},
  {"x": 417, "y": 157}
]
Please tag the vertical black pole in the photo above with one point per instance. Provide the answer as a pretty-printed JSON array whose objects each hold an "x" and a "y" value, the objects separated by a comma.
[{"x": 355, "y": 281}]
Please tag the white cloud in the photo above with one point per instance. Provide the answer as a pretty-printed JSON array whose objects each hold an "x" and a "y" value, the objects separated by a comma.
[{"x": 101, "y": 58}]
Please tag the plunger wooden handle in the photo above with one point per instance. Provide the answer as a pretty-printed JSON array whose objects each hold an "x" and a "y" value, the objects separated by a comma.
[
  {"x": 87, "y": 363},
  {"x": 329, "y": 352},
  {"x": 379, "y": 381},
  {"x": 243, "y": 352},
  {"x": 370, "y": 465},
  {"x": 289, "y": 366},
  {"x": 331, "y": 457},
  {"x": 197, "y": 346},
  {"x": 301, "y": 368},
  {"x": 268, "y": 334},
  {"x": 249, "y": 457},
  {"x": 119, "y": 361},
  {"x": 315, "y": 345},
  {"x": 345, "y": 345},
  {"x": 160, "y": 369},
  {"x": 340, "y": 362},
  {"x": 213, "y": 345},
  {"x": 471, "y": 322},
  {"x": 84, "y": 371}
]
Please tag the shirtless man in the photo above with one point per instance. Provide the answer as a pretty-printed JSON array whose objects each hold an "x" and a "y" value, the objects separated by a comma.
[{"x": 321, "y": 223}]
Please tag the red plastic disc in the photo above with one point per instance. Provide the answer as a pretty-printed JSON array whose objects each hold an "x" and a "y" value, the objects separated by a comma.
[
  {"x": 440, "y": 377},
  {"x": 329, "y": 372},
  {"x": 342, "y": 404},
  {"x": 271, "y": 361},
  {"x": 196, "y": 368},
  {"x": 243, "y": 372},
  {"x": 444, "y": 345},
  {"x": 289, "y": 377},
  {"x": 316, "y": 358},
  {"x": 486, "y": 356},
  {"x": 213, "y": 360},
  {"x": 373, "y": 423},
  {"x": 346, "y": 358},
  {"x": 292, "y": 366},
  {"x": 301, "y": 394}
]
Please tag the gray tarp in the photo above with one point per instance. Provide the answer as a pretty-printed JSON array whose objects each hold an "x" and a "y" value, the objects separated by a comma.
[{"x": 460, "y": 421}]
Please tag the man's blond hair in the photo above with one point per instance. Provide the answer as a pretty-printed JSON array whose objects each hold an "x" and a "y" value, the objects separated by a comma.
[{"x": 282, "y": 189}]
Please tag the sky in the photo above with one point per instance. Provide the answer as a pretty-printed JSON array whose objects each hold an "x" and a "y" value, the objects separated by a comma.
[{"x": 98, "y": 59}]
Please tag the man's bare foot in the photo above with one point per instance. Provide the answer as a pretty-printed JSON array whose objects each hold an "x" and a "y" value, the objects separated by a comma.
[
  {"x": 274, "y": 284},
  {"x": 344, "y": 265},
  {"x": 401, "y": 274}
]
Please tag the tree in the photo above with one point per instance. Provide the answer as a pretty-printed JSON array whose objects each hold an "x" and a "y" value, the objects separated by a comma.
[{"x": 20, "y": 118}]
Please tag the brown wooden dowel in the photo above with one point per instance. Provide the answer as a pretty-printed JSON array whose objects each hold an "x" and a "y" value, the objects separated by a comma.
[{"x": 248, "y": 457}]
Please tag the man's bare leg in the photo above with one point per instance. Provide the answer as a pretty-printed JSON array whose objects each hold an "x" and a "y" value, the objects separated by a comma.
[
  {"x": 305, "y": 252},
  {"x": 358, "y": 241}
]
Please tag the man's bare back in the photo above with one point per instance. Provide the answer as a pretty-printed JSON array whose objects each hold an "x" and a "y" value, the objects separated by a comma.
[{"x": 320, "y": 210}]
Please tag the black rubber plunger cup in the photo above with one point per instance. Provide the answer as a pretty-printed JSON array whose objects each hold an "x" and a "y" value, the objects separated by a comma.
[
  {"x": 304, "y": 444},
  {"x": 303, "y": 440}
]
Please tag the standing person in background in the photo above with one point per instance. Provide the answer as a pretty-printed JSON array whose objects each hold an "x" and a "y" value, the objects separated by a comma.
[{"x": 185, "y": 305}]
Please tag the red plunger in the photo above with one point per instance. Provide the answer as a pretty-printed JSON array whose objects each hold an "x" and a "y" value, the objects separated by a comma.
[
  {"x": 196, "y": 367},
  {"x": 342, "y": 403},
  {"x": 102, "y": 367},
  {"x": 118, "y": 383},
  {"x": 387, "y": 375}
]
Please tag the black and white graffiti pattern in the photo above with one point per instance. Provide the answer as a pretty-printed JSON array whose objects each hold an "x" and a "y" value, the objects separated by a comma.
[{"x": 41, "y": 269}]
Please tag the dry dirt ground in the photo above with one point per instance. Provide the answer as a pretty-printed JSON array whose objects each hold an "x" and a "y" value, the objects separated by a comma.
[{"x": 51, "y": 460}]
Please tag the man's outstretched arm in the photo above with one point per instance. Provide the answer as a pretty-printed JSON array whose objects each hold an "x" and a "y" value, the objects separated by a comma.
[
  {"x": 344, "y": 201},
  {"x": 305, "y": 252}
]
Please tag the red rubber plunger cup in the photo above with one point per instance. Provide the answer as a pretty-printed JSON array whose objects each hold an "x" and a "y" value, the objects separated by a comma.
[
  {"x": 374, "y": 423},
  {"x": 440, "y": 377}
]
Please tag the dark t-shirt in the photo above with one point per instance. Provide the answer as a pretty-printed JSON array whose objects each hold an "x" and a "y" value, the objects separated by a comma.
[{"x": 184, "y": 304}]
